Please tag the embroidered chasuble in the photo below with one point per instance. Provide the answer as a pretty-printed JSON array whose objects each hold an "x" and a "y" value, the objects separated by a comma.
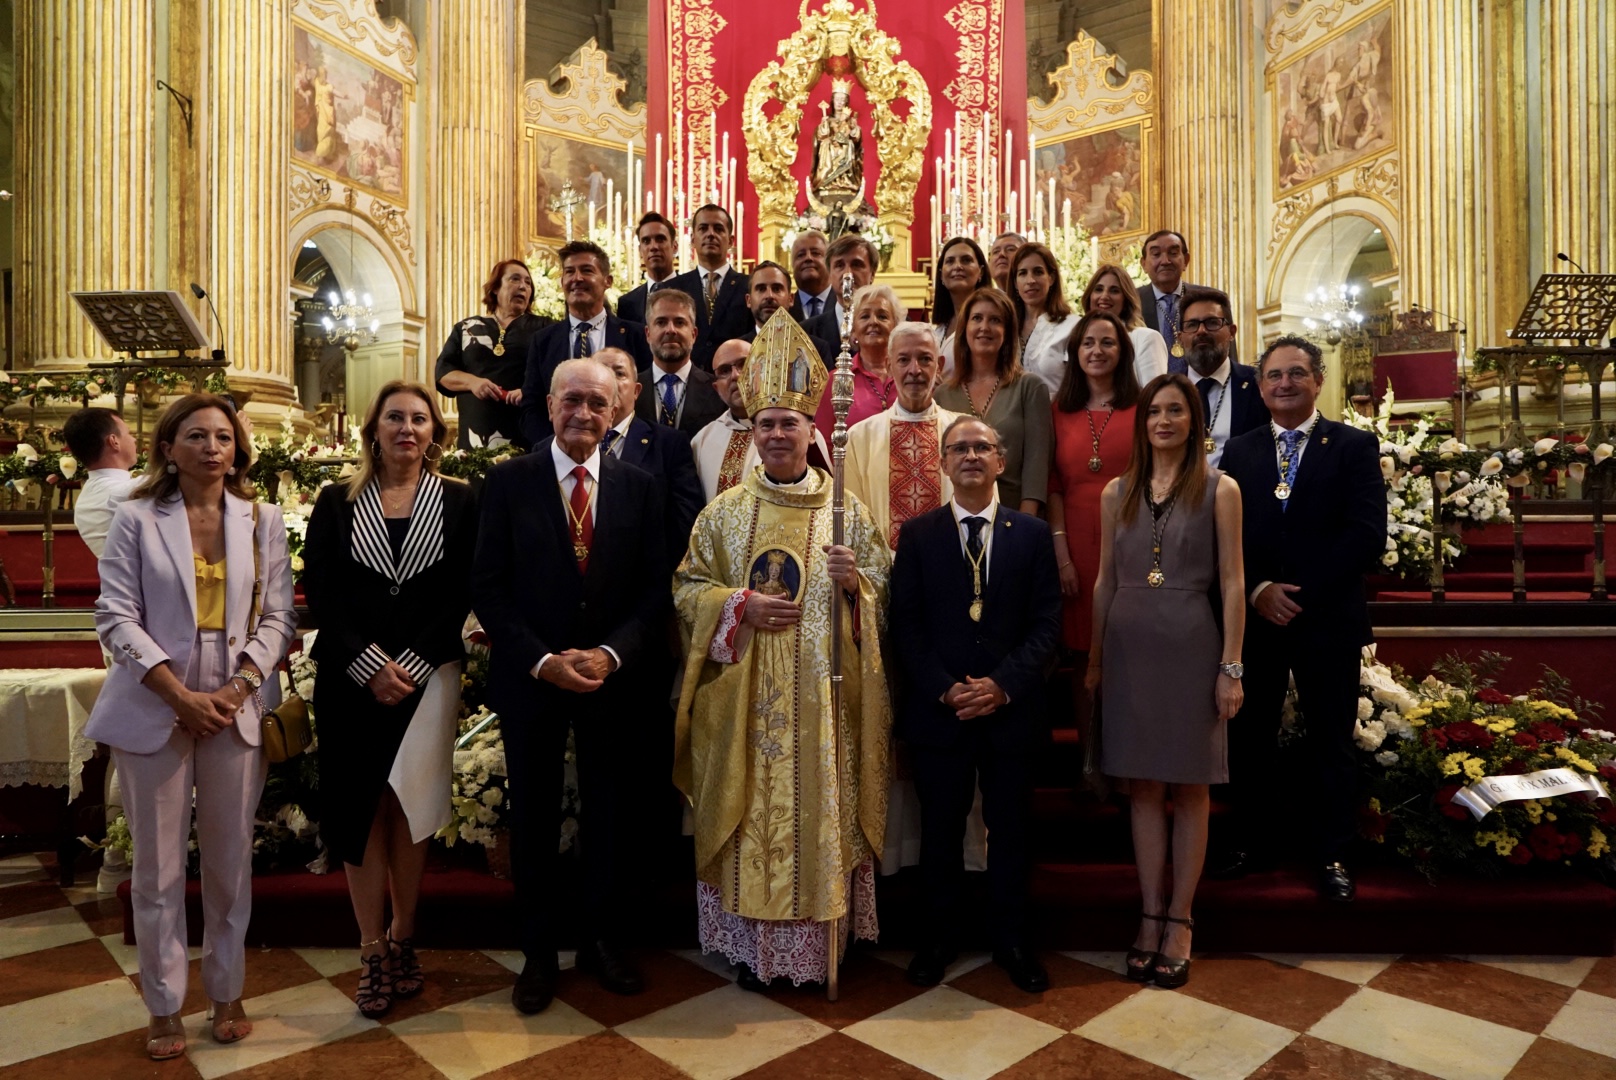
[
  {"x": 729, "y": 469},
  {"x": 781, "y": 838},
  {"x": 895, "y": 465}
]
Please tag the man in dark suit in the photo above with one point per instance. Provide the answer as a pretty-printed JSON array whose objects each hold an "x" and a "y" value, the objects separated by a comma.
[
  {"x": 769, "y": 290},
  {"x": 977, "y": 611},
  {"x": 586, "y": 273},
  {"x": 718, "y": 290},
  {"x": 662, "y": 451},
  {"x": 814, "y": 293},
  {"x": 655, "y": 234},
  {"x": 1230, "y": 399},
  {"x": 569, "y": 600},
  {"x": 1165, "y": 255},
  {"x": 850, "y": 254},
  {"x": 674, "y": 392},
  {"x": 1314, "y": 524}
]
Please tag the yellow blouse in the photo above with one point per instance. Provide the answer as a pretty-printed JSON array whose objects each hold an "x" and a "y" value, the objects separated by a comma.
[{"x": 210, "y": 579}]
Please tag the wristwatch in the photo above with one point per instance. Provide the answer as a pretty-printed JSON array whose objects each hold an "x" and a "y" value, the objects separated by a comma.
[
  {"x": 1235, "y": 669},
  {"x": 253, "y": 681}
]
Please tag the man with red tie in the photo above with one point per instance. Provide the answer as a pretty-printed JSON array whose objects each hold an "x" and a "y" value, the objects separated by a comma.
[{"x": 562, "y": 586}]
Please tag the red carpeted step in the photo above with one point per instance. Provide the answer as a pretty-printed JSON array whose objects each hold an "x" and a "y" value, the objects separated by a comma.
[{"x": 1411, "y": 597}]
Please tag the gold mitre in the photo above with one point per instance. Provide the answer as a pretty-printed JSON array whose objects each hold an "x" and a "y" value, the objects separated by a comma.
[{"x": 783, "y": 370}]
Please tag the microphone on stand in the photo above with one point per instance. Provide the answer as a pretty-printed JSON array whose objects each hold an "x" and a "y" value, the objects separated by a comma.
[
  {"x": 1457, "y": 323},
  {"x": 201, "y": 294},
  {"x": 1563, "y": 257}
]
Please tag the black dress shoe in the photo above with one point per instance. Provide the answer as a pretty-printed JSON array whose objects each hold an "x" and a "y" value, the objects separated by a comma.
[
  {"x": 747, "y": 980},
  {"x": 535, "y": 987},
  {"x": 929, "y": 965},
  {"x": 610, "y": 968},
  {"x": 1336, "y": 884},
  {"x": 1023, "y": 968}
]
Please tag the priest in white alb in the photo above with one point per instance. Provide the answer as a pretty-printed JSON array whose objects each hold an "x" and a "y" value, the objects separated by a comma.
[
  {"x": 724, "y": 451},
  {"x": 789, "y": 802}
]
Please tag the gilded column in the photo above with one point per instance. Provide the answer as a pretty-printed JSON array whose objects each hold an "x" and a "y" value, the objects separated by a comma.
[
  {"x": 1208, "y": 174},
  {"x": 1576, "y": 82},
  {"x": 471, "y": 172},
  {"x": 1441, "y": 49},
  {"x": 247, "y": 153},
  {"x": 85, "y": 145}
]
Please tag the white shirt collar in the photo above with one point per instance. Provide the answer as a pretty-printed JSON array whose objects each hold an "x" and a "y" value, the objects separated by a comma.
[
  {"x": 822, "y": 297},
  {"x": 683, "y": 372},
  {"x": 112, "y": 475},
  {"x": 594, "y": 324},
  {"x": 733, "y": 424},
  {"x": 960, "y": 513},
  {"x": 621, "y": 429},
  {"x": 798, "y": 485},
  {"x": 722, "y": 272},
  {"x": 900, "y": 413},
  {"x": 1221, "y": 375},
  {"x": 564, "y": 464},
  {"x": 1305, "y": 425}
]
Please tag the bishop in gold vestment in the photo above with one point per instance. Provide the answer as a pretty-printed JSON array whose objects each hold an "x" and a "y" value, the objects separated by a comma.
[{"x": 789, "y": 802}]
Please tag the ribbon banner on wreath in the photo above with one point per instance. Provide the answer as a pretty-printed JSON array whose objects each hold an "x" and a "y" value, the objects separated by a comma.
[
  {"x": 908, "y": 69},
  {"x": 1488, "y": 793}
]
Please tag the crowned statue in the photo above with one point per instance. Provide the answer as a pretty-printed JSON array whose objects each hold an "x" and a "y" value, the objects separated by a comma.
[{"x": 838, "y": 169}]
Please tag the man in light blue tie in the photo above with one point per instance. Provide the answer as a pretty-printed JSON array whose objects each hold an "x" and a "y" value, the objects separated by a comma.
[
  {"x": 1165, "y": 255},
  {"x": 674, "y": 392}
]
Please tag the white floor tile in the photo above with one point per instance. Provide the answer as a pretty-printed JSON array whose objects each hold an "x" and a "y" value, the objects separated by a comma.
[
  {"x": 722, "y": 1033},
  {"x": 1420, "y": 1036},
  {"x": 329, "y": 962},
  {"x": 1348, "y": 967},
  {"x": 1565, "y": 970},
  {"x": 284, "y": 1023},
  {"x": 44, "y": 1025},
  {"x": 714, "y": 962},
  {"x": 1187, "y": 1035},
  {"x": 1589, "y": 1021},
  {"x": 20, "y": 869},
  {"x": 1106, "y": 961},
  {"x": 478, "y": 1036},
  {"x": 953, "y": 1035},
  {"x": 41, "y": 930}
]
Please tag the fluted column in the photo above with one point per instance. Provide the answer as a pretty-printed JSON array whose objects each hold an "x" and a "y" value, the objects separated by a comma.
[
  {"x": 1577, "y": 161},
  {"x": 471, "y": 173},
  {"x": 1441, "y": 51},
  {"x": 85, "y": 145},
  {"x": 1208, "y": 159},
  {"x": 248, "y": 149}
]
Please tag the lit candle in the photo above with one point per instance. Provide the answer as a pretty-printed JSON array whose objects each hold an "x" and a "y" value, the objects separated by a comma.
[
  {"x": 934, "y": 229},
  {"x": 657, "y": 201},
  {"x": 1023, "y": 189},
  {"x": 740, "y": 226}
]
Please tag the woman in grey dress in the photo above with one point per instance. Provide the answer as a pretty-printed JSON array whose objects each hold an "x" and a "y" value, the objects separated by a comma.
[{"x": 1170, "y": 528}]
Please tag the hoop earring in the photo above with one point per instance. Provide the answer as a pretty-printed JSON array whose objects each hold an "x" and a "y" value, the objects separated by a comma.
[
  {"x": 171, "y": 468},
  {"x": 427, "y": 453},
  {"x": 375, "y": 449}
]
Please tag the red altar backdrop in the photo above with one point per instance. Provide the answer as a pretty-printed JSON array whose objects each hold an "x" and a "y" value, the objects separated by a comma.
[{"x": 972, "y": 54}]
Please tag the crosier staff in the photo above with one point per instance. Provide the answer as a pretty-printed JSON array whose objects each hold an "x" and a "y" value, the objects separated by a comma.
[{"x": 841, "y": 399}]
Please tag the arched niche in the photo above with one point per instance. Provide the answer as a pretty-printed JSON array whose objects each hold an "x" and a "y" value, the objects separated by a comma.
[{"x": 363, "y": 260}]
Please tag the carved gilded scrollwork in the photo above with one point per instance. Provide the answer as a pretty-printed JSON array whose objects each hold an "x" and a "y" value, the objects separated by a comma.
[
  {"x": 587, "y": 102},
  {"x": 365, "y": 29},
  {"x": 1080, "y": 90},
  {"x": 1288, "y": 214},
  {"x": 394, "y": 224},
  {"x": 1382, "y": 177},
  {"x": 771, "y": 142},
  {"x": 305, "y": 191},
  {"x": 1289, "y": 28}
]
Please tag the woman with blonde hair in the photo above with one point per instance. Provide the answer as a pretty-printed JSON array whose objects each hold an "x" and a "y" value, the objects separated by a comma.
[
  {"x": 989, "y": 383},
  {"x": 876, "y": 313},
  {"x": 196, "y": 611},
  {"x": 1110, "y": 290},
  {"x": 388, "y": 580}
]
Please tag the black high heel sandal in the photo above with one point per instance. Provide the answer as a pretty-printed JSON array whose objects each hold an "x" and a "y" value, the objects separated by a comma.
[
  {"x": 1141, "y": 963},
  {"x": 1169, "y": 973},
  {"x": 374, "y": 996},
  {"x": 407, "y": 978}
]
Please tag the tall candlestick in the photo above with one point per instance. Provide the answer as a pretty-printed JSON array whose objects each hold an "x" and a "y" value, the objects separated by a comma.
[
  {"x": 1024, "y": 189},
  {"x": 740, "y": 226},
  {"x": 1051, "y": 205},
  {"x": 723, "y": 164},
  {"x": 1066, "y": 213},
  {"x": 1009, "y": 163},
  {"x": 656, "y": 179}
]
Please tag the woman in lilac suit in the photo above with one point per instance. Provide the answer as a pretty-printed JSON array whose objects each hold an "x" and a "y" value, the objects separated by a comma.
[{"x": 195, "y": 625}]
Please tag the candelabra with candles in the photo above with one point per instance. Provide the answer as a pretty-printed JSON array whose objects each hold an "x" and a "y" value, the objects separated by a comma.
[
  {"x": 1335, "y": 312},
  {"x": 351, "y": 322}
]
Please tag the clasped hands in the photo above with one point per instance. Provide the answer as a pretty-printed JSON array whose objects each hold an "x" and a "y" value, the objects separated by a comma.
[
  {"x": 974, "y": 697},
  {"x": 489, "y": 390},
  {"x": 1275, "y": 604},
  {"x": 578, "y": 670},
  {"x": 392, "y": 684},
  {"x": 208, "y": 714}
]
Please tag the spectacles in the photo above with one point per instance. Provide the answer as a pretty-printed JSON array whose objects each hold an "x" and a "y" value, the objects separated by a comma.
[
  {"x": 1211, "y": 326},
  {"x": 980, "y": 449}
]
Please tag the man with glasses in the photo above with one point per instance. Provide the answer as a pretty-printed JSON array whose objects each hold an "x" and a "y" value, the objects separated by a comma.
[
  {"x": 1231, "y": 403},
  {"x": 1314, "y": 507},
  {"x": 977, "y": 615},
  {"x": 725, "y": 453},
  {"x": 851, "y": 254},
  {"x": 655, "y": 236}
]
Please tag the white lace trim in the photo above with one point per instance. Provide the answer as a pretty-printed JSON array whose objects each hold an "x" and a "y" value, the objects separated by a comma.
[
  {"x": 43, "y": 773},
  {"x": 722, "y": 648},
  {"x": 796, "y": 949}
]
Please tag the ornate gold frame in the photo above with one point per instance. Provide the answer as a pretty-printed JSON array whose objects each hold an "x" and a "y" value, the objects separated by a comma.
[{"x": 406, "y": 81}]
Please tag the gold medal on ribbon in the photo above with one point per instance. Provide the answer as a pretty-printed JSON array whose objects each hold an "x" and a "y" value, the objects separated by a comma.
[
  {"x": 1210, "y": 444},
  {"x": 1178, "y": 349},
  {"x": 580, "y": 550},
  {"x": 1095, "y": 463},
  {"x": 976, "y": 611},
  {"x": 1156, "y": 579},
  {"x": 1282, "y": 491},
  {"x": 499, "y": 348}
]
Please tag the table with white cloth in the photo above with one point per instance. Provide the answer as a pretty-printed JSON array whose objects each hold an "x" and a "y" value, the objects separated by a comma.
[{"x": 42, "y": 747}]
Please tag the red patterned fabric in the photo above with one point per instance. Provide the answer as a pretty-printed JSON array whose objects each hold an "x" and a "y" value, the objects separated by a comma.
[
  {"x": 914, "y": 473},
  {"x": 729, "y": 470}
]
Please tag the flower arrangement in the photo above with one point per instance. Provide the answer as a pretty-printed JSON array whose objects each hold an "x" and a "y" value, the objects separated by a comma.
[
  {"x": 866, "y": 225},
  {"x": 479, "y": 787},
  {"x": 548, "y": 300},
  {"x": 25, "y": 467},
  {"x": 1424, "y": 743}
]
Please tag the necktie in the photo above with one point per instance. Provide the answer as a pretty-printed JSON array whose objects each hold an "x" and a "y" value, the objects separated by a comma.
[
  {"x": 712, "y": 291},
  {"x": 582, "y": 347},
  {"x": 670, "y": 403},
  {"x": 608, "y": 439},
  {"x": 973, "y": 541},
  {"x": 1168, "y": 307},
  {"x": 1292, "y": 441},
  {"x": 583, "y": 522},
  {"x": 815, "y": 307},
  {"x": 1206, "y": 386}
]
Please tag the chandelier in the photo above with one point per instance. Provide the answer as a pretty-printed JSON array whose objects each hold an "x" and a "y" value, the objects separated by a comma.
[
  {"x": 1335, "y": 312},
  {"x": 350, "y": 322}
]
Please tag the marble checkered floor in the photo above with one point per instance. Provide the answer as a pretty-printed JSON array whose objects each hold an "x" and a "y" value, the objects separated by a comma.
[{"x": 70, "y": 1008}]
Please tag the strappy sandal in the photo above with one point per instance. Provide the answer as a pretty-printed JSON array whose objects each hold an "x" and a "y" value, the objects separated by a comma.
[
  {"x": 165, "y": 1037},
  {"x": 407, "y": 978},
  {"x": 375, "y": 993},
  {"x": 1172, "y": 973},
  {"x": 230, "y": 1023},
  {"x": 1141, "y": 962}
]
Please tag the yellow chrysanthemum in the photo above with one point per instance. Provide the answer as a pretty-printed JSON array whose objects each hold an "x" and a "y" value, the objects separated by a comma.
[
  {"x": 1475, "y": 768},
  {"x": 1418, "y": 712},
  {"x": 1597, "y": 843},
  {"x": 1534, "y": 810},
  {"x": 1506, "y": 844},
  {"x": 1575, "y": 760},
  {"x": 1374, "y": 804},
  {"x": 1453, "y": 763}
]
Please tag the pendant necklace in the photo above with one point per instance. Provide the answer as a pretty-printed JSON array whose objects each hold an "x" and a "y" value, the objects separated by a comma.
[
  {"x": 1178, "y": 322},
  {"x": 975, "y": 610},
  {"x": 1210, "y": 443},
  {"x": 878, "y": 387},
  {"x": 1095, "y": 462},
  {"x": 580, "y": 550},
  {"x": 499, "y": 346},
  {"x": 986, "y": 405},
  {"x": 1159, "y": 514},
  {"x": 1282, "y": 490}
]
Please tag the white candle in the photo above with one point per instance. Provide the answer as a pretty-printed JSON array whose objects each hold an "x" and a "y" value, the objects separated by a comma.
[
  {"x": 656, "y": 178},
  {"x": 1022, "y": 199},
  {"x": 723, "y": 159},
  {"x": 1066, "y": 213},
  {"x": 1009, "y": 158},
  {"x": 934, "y": 230},
  {"x": 1051, "y": 205},
  {"x": 740, "y": 225}
]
